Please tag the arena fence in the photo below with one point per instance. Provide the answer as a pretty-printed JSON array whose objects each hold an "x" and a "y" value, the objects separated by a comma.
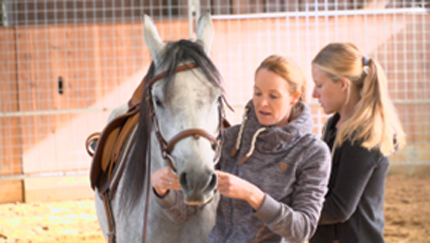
[{"x": 64, "y": 65}]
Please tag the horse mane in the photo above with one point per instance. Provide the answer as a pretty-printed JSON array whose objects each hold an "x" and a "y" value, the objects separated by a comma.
[{"x": 175, "y": 54}]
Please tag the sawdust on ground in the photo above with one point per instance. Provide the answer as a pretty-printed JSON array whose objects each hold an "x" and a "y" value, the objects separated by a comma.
[{"x": 407, "y": 212}]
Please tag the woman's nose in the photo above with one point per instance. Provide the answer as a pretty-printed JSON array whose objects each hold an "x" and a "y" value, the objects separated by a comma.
[
  {"x": 315, "y": 93},
  {"x": 263, "y": 102}
]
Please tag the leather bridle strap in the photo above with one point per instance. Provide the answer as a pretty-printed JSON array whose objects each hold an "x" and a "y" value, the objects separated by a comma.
[
  {"x": 196, "y": 133},
  {"x": 178, "y": 69}
]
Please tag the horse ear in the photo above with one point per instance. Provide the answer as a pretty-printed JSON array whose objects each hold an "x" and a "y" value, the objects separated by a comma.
[
  {"x": 205, "y": 31},
  {"x": 152, "y": 39}
]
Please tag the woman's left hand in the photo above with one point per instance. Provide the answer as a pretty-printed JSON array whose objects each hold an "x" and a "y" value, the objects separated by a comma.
[
  {"x": 163, "y": 180},
  {"x": 235, "y": 187}
]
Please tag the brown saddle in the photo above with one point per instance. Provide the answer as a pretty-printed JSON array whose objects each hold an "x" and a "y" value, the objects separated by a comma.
[{"x": 110, "y": 142}]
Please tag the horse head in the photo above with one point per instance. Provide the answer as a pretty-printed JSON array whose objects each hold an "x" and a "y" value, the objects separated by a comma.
[{"x": 182, "y": 108}]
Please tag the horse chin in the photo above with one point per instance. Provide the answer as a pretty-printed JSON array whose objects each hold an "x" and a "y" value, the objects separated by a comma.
[{"x": 197, "y": 200}]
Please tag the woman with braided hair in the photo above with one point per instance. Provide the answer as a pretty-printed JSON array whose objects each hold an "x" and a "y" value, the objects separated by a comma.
[{"x": 362, "y": 132}]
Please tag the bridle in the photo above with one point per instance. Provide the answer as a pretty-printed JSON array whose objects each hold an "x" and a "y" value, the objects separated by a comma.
[{"x": 166, "y": 147}]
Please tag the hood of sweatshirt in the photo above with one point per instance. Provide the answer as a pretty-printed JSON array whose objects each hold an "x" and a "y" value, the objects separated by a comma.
[{"x": 272, "y": 139}]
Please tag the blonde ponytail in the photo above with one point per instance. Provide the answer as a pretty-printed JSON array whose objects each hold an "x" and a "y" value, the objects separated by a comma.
[{"x": 375, "y": 122}]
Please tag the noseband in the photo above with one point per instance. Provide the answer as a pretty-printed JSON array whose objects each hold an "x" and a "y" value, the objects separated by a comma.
[{"x": 167, "y": 147}]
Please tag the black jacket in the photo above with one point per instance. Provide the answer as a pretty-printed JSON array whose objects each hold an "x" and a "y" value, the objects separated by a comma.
[{"x": 353, "y": 209}]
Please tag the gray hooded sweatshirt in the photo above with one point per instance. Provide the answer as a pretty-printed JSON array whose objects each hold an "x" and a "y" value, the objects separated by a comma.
[{"x": 290, "y": 164}]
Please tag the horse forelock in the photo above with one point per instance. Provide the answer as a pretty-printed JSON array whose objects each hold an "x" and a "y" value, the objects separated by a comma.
[{"x": 185, "y": 51}]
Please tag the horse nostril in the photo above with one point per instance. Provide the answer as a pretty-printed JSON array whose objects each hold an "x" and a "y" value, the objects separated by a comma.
[
  {"x": 213, "y": 183},
  {"x": 183, "y": 181}
]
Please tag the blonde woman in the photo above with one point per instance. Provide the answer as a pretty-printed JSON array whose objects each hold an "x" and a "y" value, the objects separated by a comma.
[
  {"x": 363, "y": 131},
  {"x": 273, "y": 171}
]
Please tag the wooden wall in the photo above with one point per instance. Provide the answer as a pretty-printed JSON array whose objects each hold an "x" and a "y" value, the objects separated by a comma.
[{"x": 10, "y": 147}]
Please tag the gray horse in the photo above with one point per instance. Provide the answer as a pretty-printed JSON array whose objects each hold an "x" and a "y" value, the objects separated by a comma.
[{"x": 179, "y": 101}]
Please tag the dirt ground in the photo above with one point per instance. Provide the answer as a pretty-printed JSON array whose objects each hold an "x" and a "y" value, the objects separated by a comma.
[
  {"x": 407, "y": 212},
  {"x": 407, "y": 209}
]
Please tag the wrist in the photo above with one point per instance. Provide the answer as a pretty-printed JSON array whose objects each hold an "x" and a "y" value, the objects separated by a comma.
[
  {"x": 256, "y": 198},
  {"x": 160, "y": 192}
]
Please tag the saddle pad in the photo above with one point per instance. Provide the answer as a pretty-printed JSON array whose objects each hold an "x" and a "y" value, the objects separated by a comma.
[{"x": 109, "y": 146}]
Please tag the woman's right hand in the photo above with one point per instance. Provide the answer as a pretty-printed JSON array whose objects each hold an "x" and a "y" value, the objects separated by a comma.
[
  {"x": 164, "y": 180},
  {"x": 235, "y": 187}
]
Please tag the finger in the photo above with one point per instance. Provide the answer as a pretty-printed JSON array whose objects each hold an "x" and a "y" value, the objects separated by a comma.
[
  {"x": 166, "y": 171},
  {"x": 169, "y": 173},
  {"x": 158, "y": 179},
  {"x": 223, "y": 191},
  {"x": 220, "y": 173},
  {"x": 223, "y": 175},
  {"x": 177, "y": 187},
  {"x": 167, "y": 184},
  {"x": 172, "y": 185}
]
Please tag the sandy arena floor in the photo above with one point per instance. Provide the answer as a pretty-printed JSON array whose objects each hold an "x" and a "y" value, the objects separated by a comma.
[{"x": 407, "y": 210}]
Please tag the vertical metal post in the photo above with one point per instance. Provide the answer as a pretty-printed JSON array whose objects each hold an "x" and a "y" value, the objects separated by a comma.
[
  {"x": 6, "y": 11},
  {"x": 193, "y": 15},
  {"x": 3, "y": 18}
]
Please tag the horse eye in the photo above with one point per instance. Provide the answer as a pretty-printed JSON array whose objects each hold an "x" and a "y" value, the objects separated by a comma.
[{"x": 158, "y": 102}]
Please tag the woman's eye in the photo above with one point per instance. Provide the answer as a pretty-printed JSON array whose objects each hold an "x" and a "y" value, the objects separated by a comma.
[
  {"x": 273, "y": 96},
  {"x": 257, "y": 93}
]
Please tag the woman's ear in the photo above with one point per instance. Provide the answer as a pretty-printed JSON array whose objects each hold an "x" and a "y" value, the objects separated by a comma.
[
  {"x": 295, "y": 97},
  {"x": 344, "y": 83}
]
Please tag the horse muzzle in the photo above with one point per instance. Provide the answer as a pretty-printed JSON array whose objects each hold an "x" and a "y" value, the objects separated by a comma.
[{"x": 198, "y": 188}]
